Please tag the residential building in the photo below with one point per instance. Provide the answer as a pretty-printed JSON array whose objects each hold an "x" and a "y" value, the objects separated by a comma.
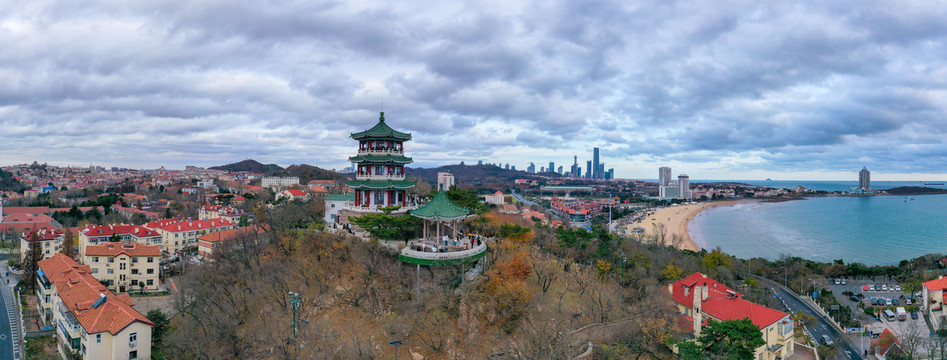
[
  {"x": 933, "y": 293},
  {"x": 334, "y": 205},
  {"x": 444, "y": 181},
  {"x": 664, "y": 176},
  {"x": 293, "y": 194},
  {"x": 886, "y": 346},
  {"x": 95, "y": 234},
  {"x": 50, "y": 242},
  {"x": 684, "y": 187},
  {"x": 124, "y": 266},
  {"x": 90, "y": 320},
  {"x": 220, "y": 212},
  {"x": 23, "y": 222},
  {"x": 700, "y": 298},
  {"x": 864, "y": 179},
  {"x": 207, "y": 244},
  {"x": 272, "y": 182},
  {"x": 496, "y": 198},
  {"x": 177, "y": 234}
]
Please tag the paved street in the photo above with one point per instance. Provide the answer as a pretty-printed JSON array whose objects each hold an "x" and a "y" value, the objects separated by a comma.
[
  {"x": 822, "y": 326},
  {"x": 9, "y": 331}
]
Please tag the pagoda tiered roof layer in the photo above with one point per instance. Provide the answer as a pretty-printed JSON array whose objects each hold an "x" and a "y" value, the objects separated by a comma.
[
  {"x": 381, "y": 184},
  {"x": 441, "y": 208},
  {"x": 381, "y": 131},
  {"x": 387, "y": 158}
]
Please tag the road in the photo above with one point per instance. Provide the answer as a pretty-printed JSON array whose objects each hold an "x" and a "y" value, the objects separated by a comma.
[
  {"x": 822, "y": 326},
  {"x": 9, "y": 318},
  {"x": 521, "y": 199}
]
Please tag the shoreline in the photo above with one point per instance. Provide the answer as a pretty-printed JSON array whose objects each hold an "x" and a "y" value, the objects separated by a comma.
[{"x": 673, "y": 221}]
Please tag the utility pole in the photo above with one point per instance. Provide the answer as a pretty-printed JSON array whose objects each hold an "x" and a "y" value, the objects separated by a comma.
[{"x": 294, "y": 301}]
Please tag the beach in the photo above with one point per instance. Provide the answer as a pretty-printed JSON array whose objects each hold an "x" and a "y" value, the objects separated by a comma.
[{"x": 674, "y": 220}]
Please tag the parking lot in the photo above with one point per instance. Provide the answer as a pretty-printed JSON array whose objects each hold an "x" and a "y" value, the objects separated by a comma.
[{"x": 908, "y": 326}]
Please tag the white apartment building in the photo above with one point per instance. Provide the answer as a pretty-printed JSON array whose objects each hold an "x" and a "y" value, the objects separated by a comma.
[
  {"x": 220, "y": 212},
  {"x": 270, "y": 182},
  {"x": 124, "y": 266},
  {"x": 50, "y": 239},
  {"x": 177, "y": 234},
  {"x": 90, "y": 320},
  {"x": 444, "y": 181},
  {"x": 95, "y": 234}
]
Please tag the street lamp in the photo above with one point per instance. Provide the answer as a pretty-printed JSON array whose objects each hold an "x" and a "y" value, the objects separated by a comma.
[
  {"x": 395, "y": 344},
  {"x": 294, "y": 301}
]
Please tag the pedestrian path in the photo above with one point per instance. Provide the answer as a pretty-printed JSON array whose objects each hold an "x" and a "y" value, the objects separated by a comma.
[{"x": 12, "y": 316}]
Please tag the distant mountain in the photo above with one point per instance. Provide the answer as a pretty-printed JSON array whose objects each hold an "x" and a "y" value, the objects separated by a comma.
[
  {"x": 251, "y": 166},
  {"x": 474, "y": 175},
  {"x": 8, "y": 182},
  {"x": 309, "y": 172}
]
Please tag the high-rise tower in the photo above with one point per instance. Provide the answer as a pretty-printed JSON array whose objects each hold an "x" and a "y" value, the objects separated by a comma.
[
  {"x": 864, "y": 179},
  {"x": 664, "y": 176},
  {"x": 596, "y": 171},
  {"x": 683, "y": 183}
]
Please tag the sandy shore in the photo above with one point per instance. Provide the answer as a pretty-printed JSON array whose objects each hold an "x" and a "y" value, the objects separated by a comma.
[{"x": 674, "y": 222}]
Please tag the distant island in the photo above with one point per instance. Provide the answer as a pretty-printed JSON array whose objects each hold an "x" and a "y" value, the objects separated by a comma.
[{"x": 915, "y": 190}]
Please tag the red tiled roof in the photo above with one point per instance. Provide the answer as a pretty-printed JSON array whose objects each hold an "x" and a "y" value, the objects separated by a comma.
[
  {"x": 23, "y": 222},
  {"x": 26, "y": 210},
  {"x": 884, "y": 342},
  {"x": 116, "y": 248},
  {"x": 721, "y": 304},
  {"x": 79, "y": 291},
  {"x": 936, "y": 284},
  {"x": 228, "y": 234},
  {"x": 179, "y": 225},
  {"x": 296, "y": 192},
  {"x": 318, "y": 189},
  {"x": 95, "y": 231},
  {"x": 43, "y": 234}
]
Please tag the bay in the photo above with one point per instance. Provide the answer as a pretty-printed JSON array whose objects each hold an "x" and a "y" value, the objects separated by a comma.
[{"x": 875, "y": 230}]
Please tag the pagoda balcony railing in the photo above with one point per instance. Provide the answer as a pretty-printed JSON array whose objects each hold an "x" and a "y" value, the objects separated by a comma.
[
  {"x": 379, "y": 177},
  {"x": 380, "y": 151},
  {"x": 374, "y": 207},
  {"x": 449, "y": 255}
]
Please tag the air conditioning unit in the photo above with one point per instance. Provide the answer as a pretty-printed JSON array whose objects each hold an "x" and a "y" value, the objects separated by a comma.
[{"x": 132, "y": 343}]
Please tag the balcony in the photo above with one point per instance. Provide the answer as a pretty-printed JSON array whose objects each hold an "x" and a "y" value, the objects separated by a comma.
[
  {"x": 132, "y": 343},
  {"x": 374, "y": 208},
  {"x": 68, "y": 323},
  {"x": 363, "y": 176},
  {"x": 380, "y": 151}
]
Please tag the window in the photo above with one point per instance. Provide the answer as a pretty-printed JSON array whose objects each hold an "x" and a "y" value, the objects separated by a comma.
[
  {"x": 47, "y": 252},
  {"x": 121, "y": 266},
  {"x": 134, "y": 282},
  {"x": 133, "y": 354},
  {"x": 151, "y": 259},
  {"x": 150, "y": 282},
  {"x": 134, "y": 271},
  {"x": 150, "y": 271},
  {"x": 95, "y": 270},
  {"x": 110, "y": 271},
  {"x": 133, "y": 337},
  {"x": 95, "y": 259},
  {"x": 134, "y": 260},
  {"x": 111, "y": 260},
  {"x": 98, "y": 338}
]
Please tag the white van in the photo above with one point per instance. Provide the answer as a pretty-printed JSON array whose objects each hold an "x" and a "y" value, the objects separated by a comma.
[{"x": 889, "y": 315}]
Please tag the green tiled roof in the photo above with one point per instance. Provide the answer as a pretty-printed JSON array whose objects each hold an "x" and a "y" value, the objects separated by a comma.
[
  {"x": 440, "y": 208},
  {"x": 388, "y": 158},
  {"x": 341, "y": 197},
  {"x": 381, "y": 131},
  {"x": 381, "y": 184}
]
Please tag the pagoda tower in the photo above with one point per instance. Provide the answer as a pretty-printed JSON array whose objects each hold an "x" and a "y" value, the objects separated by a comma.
[{"x": 379, "y": 168}]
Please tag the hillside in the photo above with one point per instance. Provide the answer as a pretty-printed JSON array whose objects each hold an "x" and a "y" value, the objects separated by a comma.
[
  {"x": 473, "y": 174},
  {"x": 251, "y": 166},
  {"x": 308, "y": 172},
  {"x": 8, "y": 183}
]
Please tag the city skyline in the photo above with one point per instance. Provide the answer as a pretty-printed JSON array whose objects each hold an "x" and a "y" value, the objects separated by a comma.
[{"x": 690, "y": 85}]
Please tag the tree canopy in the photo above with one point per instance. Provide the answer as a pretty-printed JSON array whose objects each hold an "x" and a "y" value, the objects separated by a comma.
[{"x": 729, "y": 340}]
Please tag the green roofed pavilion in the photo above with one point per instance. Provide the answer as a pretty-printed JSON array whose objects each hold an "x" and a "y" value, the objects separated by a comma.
[
  {"x": 441, "y": 208},
  {"x": 381, "y": 131}
]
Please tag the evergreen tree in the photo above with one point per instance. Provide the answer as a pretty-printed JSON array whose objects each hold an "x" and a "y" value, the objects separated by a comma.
[{"x": 30, "y": 263}]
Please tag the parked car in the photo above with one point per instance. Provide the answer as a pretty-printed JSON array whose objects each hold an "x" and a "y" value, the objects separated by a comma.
[
  {"x": 888, "y": 302},
  {"x": 914, "y": 315},
  {"x": 853, "y": 298},
  {"x": 874, "y": 301},
  {"x": 871, "y": 287},
  {"x": 865, "y": 288},
  {"x": 826, "y": 340},
  {"x": 908, "y": 301},
  {"x": 894, "y": 301},
  {"x": 897, "y": 288},
  {"x": 884, "y": 287},
  {"x": 844, "y": 281}
]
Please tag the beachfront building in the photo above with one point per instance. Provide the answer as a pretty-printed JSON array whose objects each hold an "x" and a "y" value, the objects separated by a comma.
[
  {"x": 379, "y": 177},
  {"x": 443, "y": 242},
  {"x": 664, "y": 176},
  {"x": 124, "y": 266},
  {"x": 864, "y": 179},
  {"x": 683, "y": 187},
  {"x": 90, "y": 320},
  {"x": 96, "y": 234},
  {"x": 50, "y": 242},
  {"x": 700, "y": 298},
  {"x": 668, "y": 192}
]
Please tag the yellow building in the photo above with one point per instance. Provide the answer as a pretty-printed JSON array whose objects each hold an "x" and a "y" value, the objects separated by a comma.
[
  {"x": 96, "y": 234},
  {"x": 700, "y": 298},
  {"x": 124, "y": 266},
  {"x": 89, "y": 319},
  {"x": 50, "y": 239},
  {"x": 177, "y": 234}
]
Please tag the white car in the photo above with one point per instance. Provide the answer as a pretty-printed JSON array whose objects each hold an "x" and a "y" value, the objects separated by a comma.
[
  {"x": 871, "y": 288},
  {"x": 897, "y": 288},
  {"x": 844, "y": 282},
  {"x": 888, "y": 301},
  {"x": 884, "y": 287}
]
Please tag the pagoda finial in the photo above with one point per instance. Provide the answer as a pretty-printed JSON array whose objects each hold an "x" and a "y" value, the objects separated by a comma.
[{"x": 382, "y": 117}]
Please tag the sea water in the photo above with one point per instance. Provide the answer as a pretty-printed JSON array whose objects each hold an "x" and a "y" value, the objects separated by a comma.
[{"x": 874, "y": 230}]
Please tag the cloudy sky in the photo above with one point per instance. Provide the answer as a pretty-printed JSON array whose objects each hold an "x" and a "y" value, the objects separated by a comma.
[{"x": 716, "y": 89}]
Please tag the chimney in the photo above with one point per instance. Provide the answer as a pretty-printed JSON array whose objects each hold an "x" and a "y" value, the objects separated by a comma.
[
  {"x": 671, "y": 289},
  {"x": 697, "y": 306},
  {"x": 705, "y": 292},
  {"x": 686, "y": 290}
]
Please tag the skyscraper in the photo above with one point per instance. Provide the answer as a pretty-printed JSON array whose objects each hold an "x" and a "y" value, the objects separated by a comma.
[
  {"x": 597, "y": 170},
  {"x": 664, "y": 176},
  {"x": 864, "y": 179},
  {"x": 560, "y": 170},
  {"x": 683, "y": 183},
  {"x": 574, "y": 171},
  {"x": 552, "y": 167},
  {"x": 531, "y": 168},
  {"x": 588, "y": 169}
]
